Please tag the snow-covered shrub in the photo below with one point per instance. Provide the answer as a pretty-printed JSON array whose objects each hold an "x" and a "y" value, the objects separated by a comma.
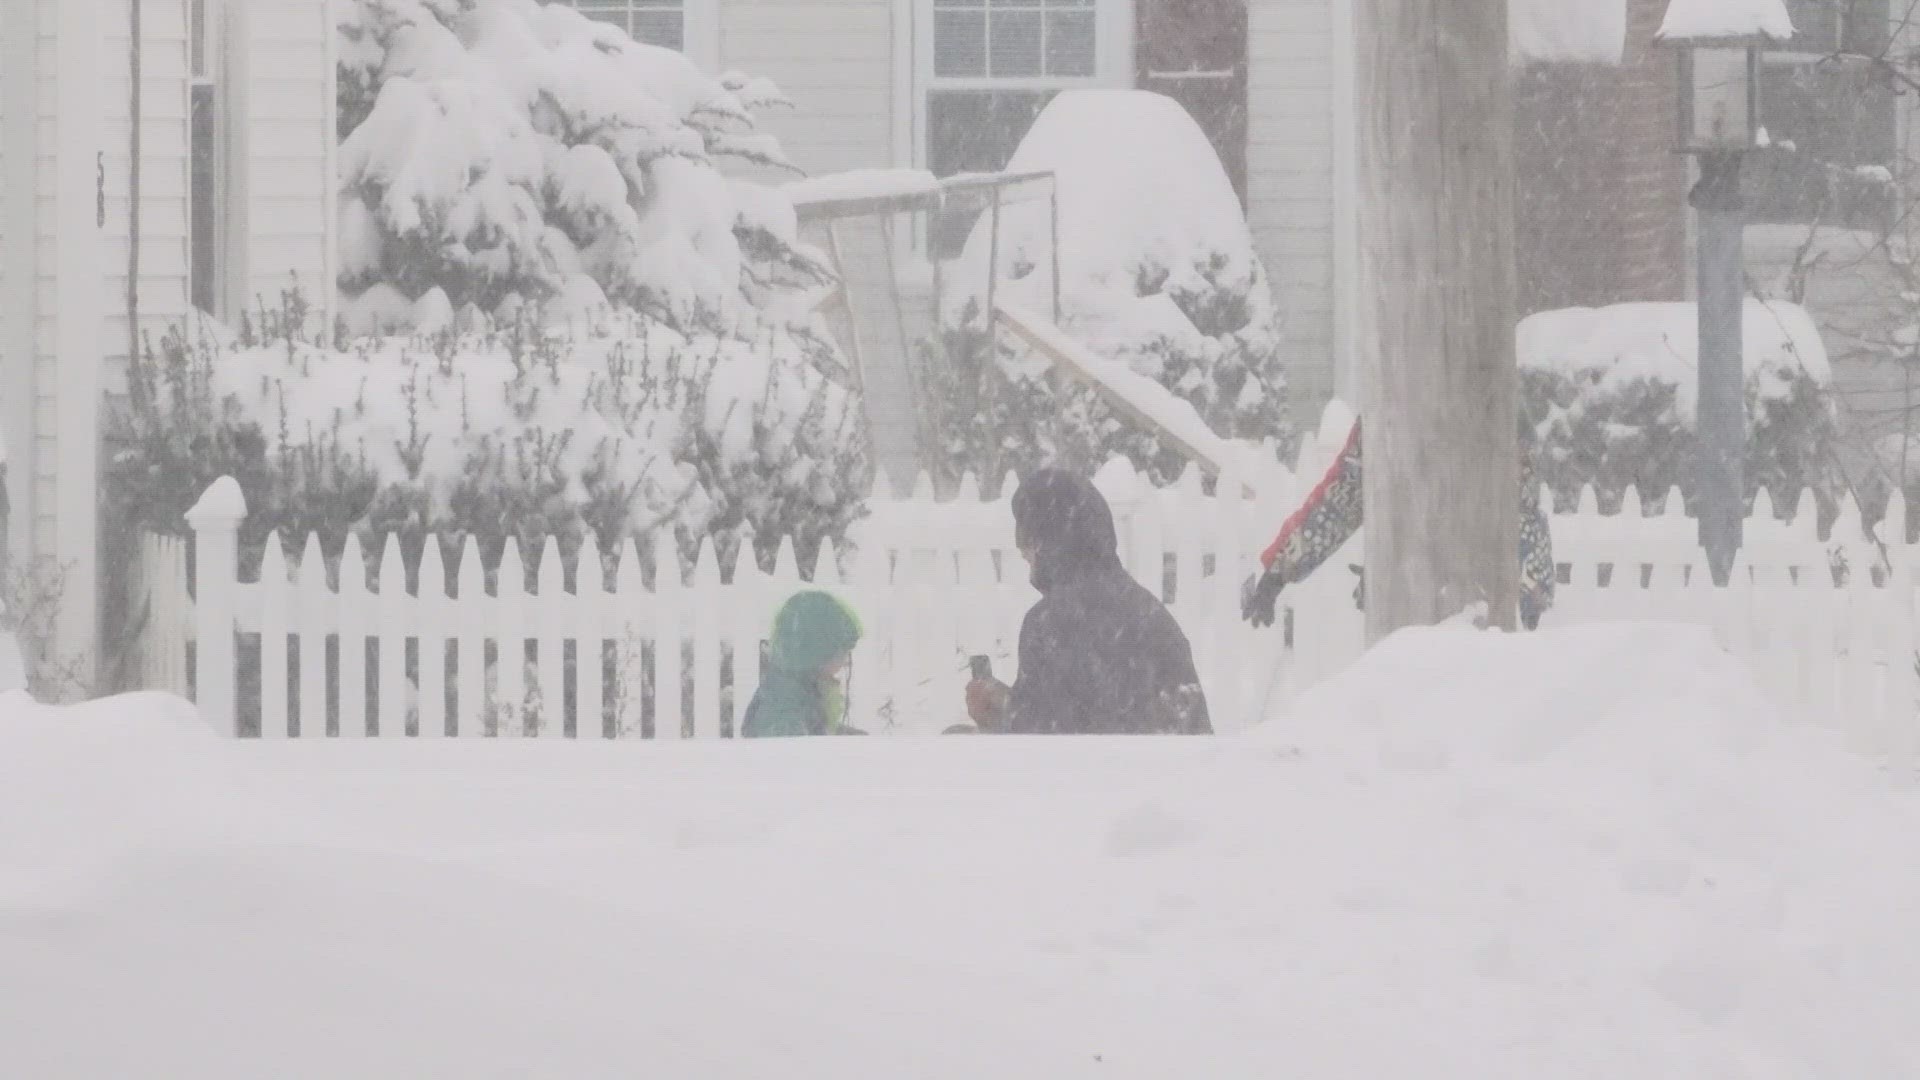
[
  {"x": 570, "y": 318},
  {"x": 1157, "y": 270},
  {"x": 620, "y": 426},
  {"x": 497, "y": 152},
  {"x": 1611, "y": 395},
  {"x": 31, "y": 595}
]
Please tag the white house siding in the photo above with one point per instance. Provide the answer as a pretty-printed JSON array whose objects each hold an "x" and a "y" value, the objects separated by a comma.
[
  {"x": 67, "y": 210},
  {"x": 41, "y": 469},
  {"x": 283, "y": 57},
  {"x": 836, "y": 60},
  {"x": 17, "y": 47},
  {"x": 163, "y": 228},
  {"x": 1291, "y": 180}
]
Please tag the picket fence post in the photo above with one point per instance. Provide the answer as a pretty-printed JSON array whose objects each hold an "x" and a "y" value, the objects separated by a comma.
[{"x": 215, "y": 521}]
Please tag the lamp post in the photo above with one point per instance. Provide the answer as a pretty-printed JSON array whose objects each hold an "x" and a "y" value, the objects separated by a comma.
[{"x": 1719, "y": 125}]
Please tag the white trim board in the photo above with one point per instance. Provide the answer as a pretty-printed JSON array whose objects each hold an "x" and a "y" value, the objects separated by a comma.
[{"x": 19, "y": 128}]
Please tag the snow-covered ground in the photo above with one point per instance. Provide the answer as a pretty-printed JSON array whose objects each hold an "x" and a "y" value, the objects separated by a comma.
[{"x": 1586, "y": 853}]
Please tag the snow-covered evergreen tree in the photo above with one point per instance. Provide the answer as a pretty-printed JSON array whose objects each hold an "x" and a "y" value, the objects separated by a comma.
[
  {"x": 563, "y": 315},
  {"x": 508, "y": 151}
]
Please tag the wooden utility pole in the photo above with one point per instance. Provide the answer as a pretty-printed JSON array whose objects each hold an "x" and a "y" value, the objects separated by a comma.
[{"x": 1438, "y": 387}]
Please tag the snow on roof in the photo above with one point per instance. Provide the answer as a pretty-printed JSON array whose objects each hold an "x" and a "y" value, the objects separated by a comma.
[
  {"x": 1710, "y": 19},
  {"x": 861, "y": 184},
  {"x": 1568, "y": 30}
]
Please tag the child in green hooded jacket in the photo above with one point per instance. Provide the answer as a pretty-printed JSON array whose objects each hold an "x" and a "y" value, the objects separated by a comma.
[{"x": 800, "y": 694}]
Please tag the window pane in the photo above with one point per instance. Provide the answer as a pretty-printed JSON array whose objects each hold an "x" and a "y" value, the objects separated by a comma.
[
  {"x": 655, "y": 22},
  {"x": 197, "y": 37},
  {"x": 1014, "y": 37},
  {"x": 663, "y": 28},
  {"x": 959, "y": 44},
  {"x": 1821, "y": 26},
  {"x": 614, "y": 14},
  {"x": 1815, "y": 23},
  {"x": 974, "y": 131},
  {"x": 1838, "y": 116},
  {"x": 1868, "y": 26},
  {"x": 1070, "y": 43},
  {"x": 202, "y": 170}
]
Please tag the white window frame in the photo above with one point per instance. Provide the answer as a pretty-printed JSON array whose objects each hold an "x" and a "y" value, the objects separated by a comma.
[
  {"x": 1802, "y": 48},
  {"x": 699, "y": 31},
  {"x": 1113, "y": 65}
]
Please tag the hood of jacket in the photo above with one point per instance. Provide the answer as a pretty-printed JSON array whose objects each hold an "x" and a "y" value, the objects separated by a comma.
[
  {"x": 1066, "y": 524},
  {"x": 811, "y": 628}
]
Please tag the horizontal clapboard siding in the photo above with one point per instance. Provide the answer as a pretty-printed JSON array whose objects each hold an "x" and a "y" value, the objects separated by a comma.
[{"x": 1290, "y": 180}]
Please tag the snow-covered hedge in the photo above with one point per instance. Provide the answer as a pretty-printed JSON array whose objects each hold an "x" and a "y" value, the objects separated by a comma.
[
  {"x": 620, "y": 426},
  {"x": 504, "y": 151},
  {"x": 1611, "y": 394},
  {"x": 1157, "y": 270},
  {"x": 563, "y": 316}
]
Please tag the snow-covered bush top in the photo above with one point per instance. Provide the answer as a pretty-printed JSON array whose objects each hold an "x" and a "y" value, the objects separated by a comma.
[
  {"x": 506, "y": 149},
  {"x": 1611, "y": 395},
  {"x": 1157, "y": 271},
  {"x": 1143, "y": 202},
  {"x": 1658, "y": 343},
  {"x": 621, "y": 426}
]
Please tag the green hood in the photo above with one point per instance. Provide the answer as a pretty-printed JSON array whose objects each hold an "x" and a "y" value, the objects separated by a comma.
[{"x": 812, "y": 628}]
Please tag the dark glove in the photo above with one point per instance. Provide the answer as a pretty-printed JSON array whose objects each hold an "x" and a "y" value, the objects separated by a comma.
[{"x": 1258, "y": 596}]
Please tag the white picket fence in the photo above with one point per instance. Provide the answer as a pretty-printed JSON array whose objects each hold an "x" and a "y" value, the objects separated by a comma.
[{"x": 934, "y": 583}]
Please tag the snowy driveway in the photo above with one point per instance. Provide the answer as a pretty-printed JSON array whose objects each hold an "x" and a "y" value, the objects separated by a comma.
[{"x": 1653, "y": 879}]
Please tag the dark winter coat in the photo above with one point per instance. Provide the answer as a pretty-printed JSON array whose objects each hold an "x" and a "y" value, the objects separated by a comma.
[
  {"x": 811, "y": 630},
  {"x": 1099, "y": 654}
]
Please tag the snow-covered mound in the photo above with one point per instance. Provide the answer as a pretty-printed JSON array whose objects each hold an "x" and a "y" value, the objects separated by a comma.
[
  {"x": 86, "y": 785},
  {"x": 1659, "y": 343},
  {"x": 1614, "y": 813},
  {"x": 1573, "y": 854},
  {"x": 1157, "y": 272},
  {"x": 1141, "y": 192},
  {"x": 1611, "y": 394}
]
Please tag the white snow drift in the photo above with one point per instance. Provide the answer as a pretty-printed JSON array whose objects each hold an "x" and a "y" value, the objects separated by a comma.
[{"x": 1589, "y": 853}]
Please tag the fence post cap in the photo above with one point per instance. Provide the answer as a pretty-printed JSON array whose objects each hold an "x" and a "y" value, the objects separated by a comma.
[
  {"x": 223, "y": 504},
  {"x": 1118, "y": 480}
]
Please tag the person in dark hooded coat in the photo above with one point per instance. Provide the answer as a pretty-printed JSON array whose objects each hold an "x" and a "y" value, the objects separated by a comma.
[{"x": 1099, "y": 654}]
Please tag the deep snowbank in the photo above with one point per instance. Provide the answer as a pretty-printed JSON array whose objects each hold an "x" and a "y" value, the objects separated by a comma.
[
  {"x": 83, "y": 787},
  {"x": 1587, "y": 853}
]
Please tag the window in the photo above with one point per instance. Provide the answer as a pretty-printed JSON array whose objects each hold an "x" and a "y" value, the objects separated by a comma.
[
  {"x": 1839, "y": 116},
  {"x": 203, "y": 169},
  {"x": 655, "y": 22},
  {"x": 987, "y": 67},
  {"x": 1828, "y": 26},
  {"x": 1014, "y": 39}
]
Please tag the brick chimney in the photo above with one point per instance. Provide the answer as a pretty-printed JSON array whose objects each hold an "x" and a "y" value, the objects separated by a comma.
[{"x": 1600, "y": 204}]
